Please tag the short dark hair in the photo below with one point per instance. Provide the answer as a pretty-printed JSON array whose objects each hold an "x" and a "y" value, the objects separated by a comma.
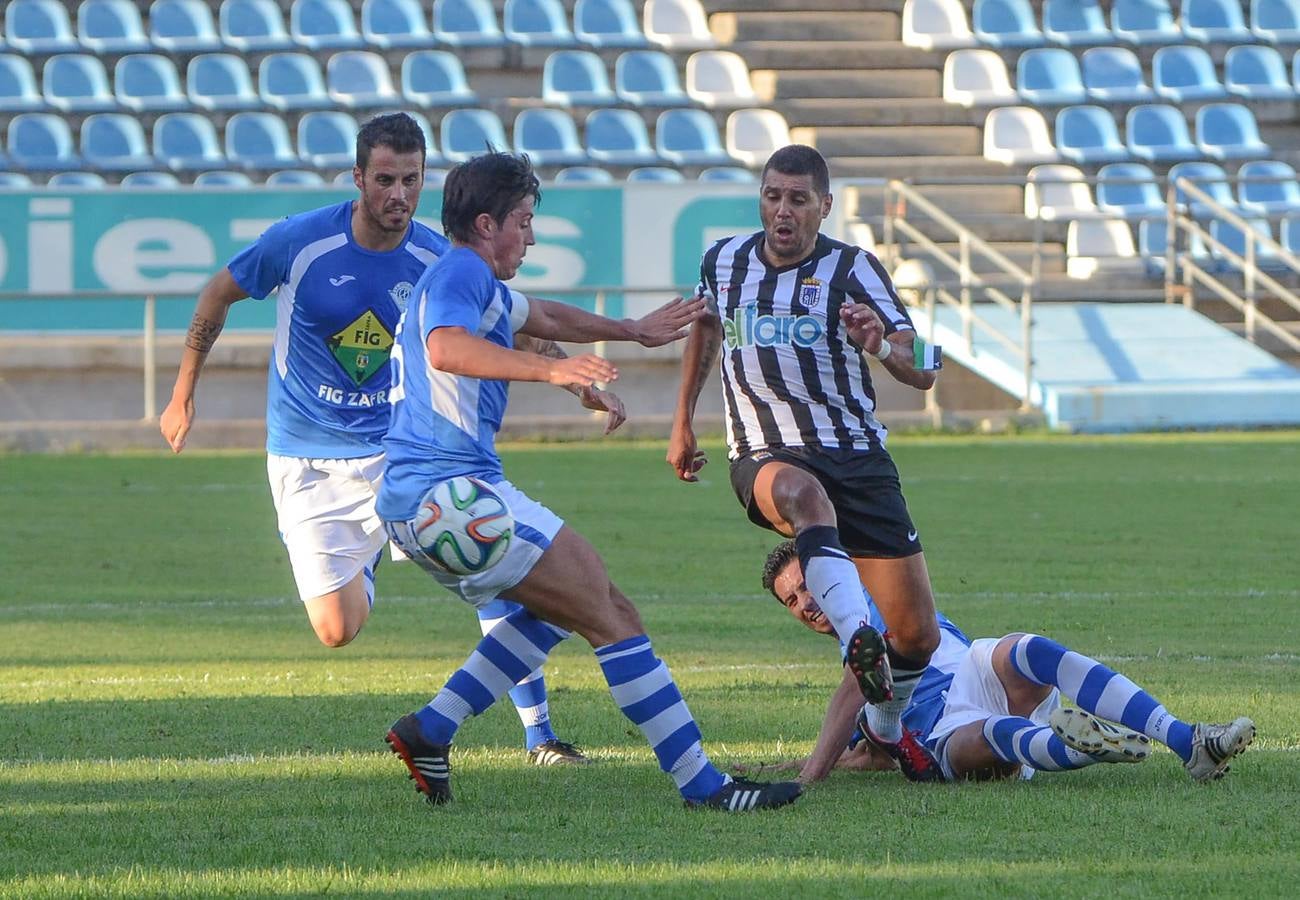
[
  {"x": 493, "y": 183},
  {"x": 396, "y": 131},
  {"x": 799, "y": 159},
  {"x": 777, "y": 560}
]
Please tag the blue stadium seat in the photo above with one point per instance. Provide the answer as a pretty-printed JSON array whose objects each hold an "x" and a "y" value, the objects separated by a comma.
[
  {"x": 220, "y": 82},
  {"x": 76, "y": 82},
  {"x": 252, "y": 26},
  {"x": 689, "y": 137},
  {"x": 14, "y": 181},
  {"x": 1279, "y": 194},
  {"x": 728, "y": 175},
  {"x": 466, "y": 23},
  {"x": 256, "y": 140},
  {"x": 61, "y": 180},
  {"x": 536, "y": 23},
  {"x": 183, "y": 26},
  {"x": 395, "y": 23},
  {"x": 648, "y": 78},
  {"x": 148, "y": 82},
  {"x": 1088, "y": 134},
  {"x": 607, "y": 23},
  {"x": 659, "y": 174},
  {"x": 435, "y": 178},
  {"x": 1114, "y": 75},
  {"x": 359, "y": 79},
  {"x": 327, "y": 140},
  {"x": 1256, "y": 73},
  {"x": 18, "y": 91},
  {"x": 114, "y": 142},
  {"x": 431, "y": 154},
  {"x": 186, "y": 142},
  {"x": 576, "y": 78},
  {"x": 1290, "y": 235},
  {"x": 1185, "y": 73},
  {"x": 549, "y": 137},
  {"x": 464, "y": 133},
  {"x": 1129, "y": 190},
  {"x": 110, "y": 26},
  {"x": 1215, "y": 22},
  {"x": 37, "y": 27},
  {"x": 223, "y": 179},
  {"x": 294, "y": 178},
  {"x": 1075, "y": 23},
  {"x": 41, "y": 142},
  {"x": 1153, "y": 239},
  {"x": 1144, "y": 22},
  {"x": 583, "y": 175},
  {"x": 1005, "y": 23},
  {"x": 1158, "y": 133},
  {"x": 618, "y": 137},
  {"x": 435, "y": 78},
  {"x": 292, "y": 81},
  {"x": 1049, "y": 76},
  {"x": 1233, "y": 240},
  {"x": 145, "y": 181},
  {"x": 1207, "y": 176},
  {"x": 1228, "y": 131},
  {"x": 1276, "y": 21},
  {"x": 323, "y": 25}
]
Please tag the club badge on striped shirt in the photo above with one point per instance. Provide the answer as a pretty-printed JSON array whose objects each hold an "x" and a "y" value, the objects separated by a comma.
[{"x": 810, "y": 292}]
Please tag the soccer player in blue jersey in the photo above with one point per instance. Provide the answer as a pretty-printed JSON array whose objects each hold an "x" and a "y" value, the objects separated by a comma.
[
  {"x": 991, "y": 708},
  {"x": 453, "y": 363}
]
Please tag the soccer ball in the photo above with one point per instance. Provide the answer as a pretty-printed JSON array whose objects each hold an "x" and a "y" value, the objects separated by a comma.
[{"x": 464, "y": 526}]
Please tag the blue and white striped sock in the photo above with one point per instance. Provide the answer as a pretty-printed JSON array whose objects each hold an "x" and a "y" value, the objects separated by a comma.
[
  {"x": 1018, "y": 740},
  {"x": 645, "y": 691},
  {"x": 1100, "y": 691},
  {"x": 529, "y": 695},
  {"x": 516, "y": 646}
]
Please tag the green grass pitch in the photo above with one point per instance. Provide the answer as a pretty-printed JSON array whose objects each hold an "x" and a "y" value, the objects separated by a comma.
[{"x": 169, "y": 726}]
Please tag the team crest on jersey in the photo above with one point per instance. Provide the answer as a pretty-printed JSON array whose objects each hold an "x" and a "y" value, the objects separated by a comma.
[
  {"x": 401, "y": 293},
  {"x": 810, "y": 292},
  {"x": 362, "y": 347}
]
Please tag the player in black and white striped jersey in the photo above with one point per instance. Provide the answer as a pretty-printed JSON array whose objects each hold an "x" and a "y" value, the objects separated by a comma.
[{"x": 796, "y": 313}]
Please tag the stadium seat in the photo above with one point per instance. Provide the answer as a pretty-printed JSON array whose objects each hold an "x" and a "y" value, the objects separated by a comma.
[
  {"x": 76, "y": 82},
  {"x": 689, "y": 137},
  {"x": 607, "y": 23},
  {"x": 1280, "y": 194},
  {"x": 37, "y": 27},
  {"x": 433, "y": 78},
  {"x": 1158, "y": 133},
  {"x": 618, "y": 137},
  {"x": 648, "y": 78},
  {"x": 1144, "y": 22},
  {"x": 977, "y": 77},
  {"x": 252, "y": 26},
  {"x": 1049, "y": 76},
  {"x": 1017, "y": 135},
  {"x": 1005, "y": 23},
  {"x": 1214, "y": 22},
  {"x": 1075, "y": 23},
  {"x": 223, "y": 179},
  {"x": 60, "y": 180},
  {"x": 1153, "y": 237},
  {"x": 1094, "y": 246},
  {"x": 466, "y": 23},
  {"x": 1228, "y": 131},
  {"x": 18, "y": 91},
  {"x": 1289, "y": 235},
  {"x": 1276, "y": 21},
  {"x": 291, "y": 81},
  {"x": 728, "y": 175},
  {"x": 431, "y": 154},
  {"x": 435, "y": 178},
  {"x": 14, "y": 181},
  {"x": 148, "y": 82},
  {"x": 1129, "y": 190},
  {"x": 860, "y": 234},
  {"x": 389, "y": 24},
  {"x": 576, "y": 78},
  {"x": 114, "y": 142},
  {"x": 719, "y": 79},
  {"x": 1256, "y": 73},
  {"x": 323, "y": 25},
  {"x": 549, "y": 137},
  {"x": 1088, "y": 134},
  {"x": 144, "y": 181},
  {"x": 465, "y": 133},
  {"x": 183, "y": 26},
  {"x": 358, "y": 79},
  {"x": 1233, "y": 240},
  {"x": 657, "y": 174},
  {"x": 936, "y": 25},
  {"x": 754, "y": 134},
  {"x": 294, "y": 178},
  {"x": 1114, "y": 75},
  {"x": 186, "y": 142},
  {"x": 1183, "y": 74},
  {"x": 1210, "y": 178},
  {"x": 1055, "y": 192},
  {"x": 220, "y": 82},
  {"x": 327, "y": 139},
  {"x": 536, "y": 23},
  {"x": 344, "y": 180},
  {"x": 256, "y": 140},
  {"x": 583, "y": 175},
  {"x": 41, "y": 142},
  {"x": 677, "y": 24},
  {"x": 110, "y": 26}
]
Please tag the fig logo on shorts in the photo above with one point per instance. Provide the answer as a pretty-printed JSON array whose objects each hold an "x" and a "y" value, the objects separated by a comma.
[
  {"x": 362, "y": 347},
  {"x": 746, "y": 328},
  {"x": 810, "y": 292},
  {"x": 401, "y": 293}
]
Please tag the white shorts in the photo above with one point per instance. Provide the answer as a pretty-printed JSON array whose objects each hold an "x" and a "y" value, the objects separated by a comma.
[
  {"x": 535, "y": 528},
  {"x": 976, "y": 693},
  {"x": 326, "y": 513}
]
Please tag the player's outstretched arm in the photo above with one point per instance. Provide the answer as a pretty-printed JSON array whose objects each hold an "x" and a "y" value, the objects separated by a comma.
[
  {"x": 453, "y": 349},
  {"x": 591, "y": 397},
  {"x": 837, "y": 728},
  {"x": 698, "y": 356},
  {"x": 209, "y": 318},
  {"x": 868, "y": 332},
  {"x": 562, "y": 322}
]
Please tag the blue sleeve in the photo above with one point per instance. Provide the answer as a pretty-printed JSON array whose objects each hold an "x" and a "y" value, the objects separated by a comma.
[
  {"x": 458, "y": 295},
  {"x": 263, "y": 265}
]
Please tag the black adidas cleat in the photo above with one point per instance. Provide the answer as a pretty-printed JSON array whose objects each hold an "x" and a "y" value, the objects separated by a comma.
[
  {"x": 868, "y": 659},
  {"x": 915, "y": 761},
  {"x": 557, "y": 753},
  {"x": 429, "y": 763},
  {"x": 743, "y": 795}
]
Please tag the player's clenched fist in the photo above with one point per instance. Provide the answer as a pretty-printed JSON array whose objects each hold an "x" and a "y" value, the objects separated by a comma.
[
  {"x": 175, "y": 423},
  {"x": 684, "y": 455},
  {"x": 864, "y": 326}
]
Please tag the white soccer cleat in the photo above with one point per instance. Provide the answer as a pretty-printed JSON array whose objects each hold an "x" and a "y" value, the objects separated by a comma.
[
  {"x": 1214, "y": 746},
  {"x": 1098, "y": 738}
]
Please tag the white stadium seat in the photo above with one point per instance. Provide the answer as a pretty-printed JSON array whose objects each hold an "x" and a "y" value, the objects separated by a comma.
[
  {"x": 677, "y": 24},
  {"x": 753, "y": 134},
  {"x": 1016, "y": 135},
  {"x": 936, "y": 25},
  {"x": 717, "y": 78},
  {"x": 1095, "y": 246},
  {"x": 1058, "y": 192},
  {"x": 977, "y": 78}
]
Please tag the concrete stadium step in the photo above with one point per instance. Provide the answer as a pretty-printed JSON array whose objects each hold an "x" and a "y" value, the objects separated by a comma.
[
  {"x": 837, "y": 54},
  {"x": 852, "y": 165},
  {"x": 852, "y": 25},
  {"x": 875, "y": 112},
  {"x": 799, "y": 6},
  {"x": 1019, "y": 252},
  {"x": 848, "y": 83},
  {"x": 920, "y": 140},
  {"x": 955, "y": 199}
]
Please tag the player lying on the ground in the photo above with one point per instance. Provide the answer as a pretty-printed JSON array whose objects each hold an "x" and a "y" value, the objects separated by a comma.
[{"x": 991, "y": 708}]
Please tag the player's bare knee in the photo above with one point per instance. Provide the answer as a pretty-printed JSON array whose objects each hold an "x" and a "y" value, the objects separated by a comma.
[
  {"x": 915, "y": 639},
  {"x": 802, "y": 500},
  {"x": 335, "y": 634}
]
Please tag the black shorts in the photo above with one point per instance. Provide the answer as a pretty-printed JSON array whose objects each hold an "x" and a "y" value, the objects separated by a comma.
[{"x": 862, "y": 486}]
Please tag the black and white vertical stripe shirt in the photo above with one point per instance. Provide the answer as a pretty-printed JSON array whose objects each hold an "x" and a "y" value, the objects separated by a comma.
[{"x": 790, "y": 375}]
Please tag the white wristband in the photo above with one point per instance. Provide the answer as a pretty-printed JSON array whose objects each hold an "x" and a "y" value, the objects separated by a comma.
[{"x": 886, "y": 348}]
